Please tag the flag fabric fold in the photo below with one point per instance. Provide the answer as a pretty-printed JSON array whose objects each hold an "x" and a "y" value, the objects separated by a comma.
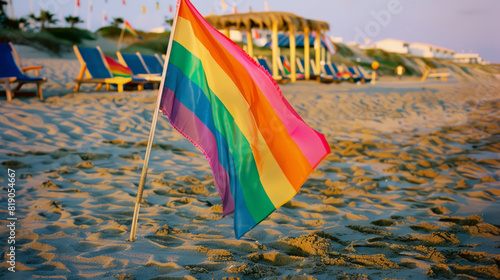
[{"x": 220, "y": 99}]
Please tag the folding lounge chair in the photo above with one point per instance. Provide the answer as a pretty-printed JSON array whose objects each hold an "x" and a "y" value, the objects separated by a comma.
[
  {"x": 153, "y": 63},
  {"x": 285, "y": 69},
  {"x": 323, "y": 78},
  {"x": 440, "y": 73},
  {"x": 136, "y": 64},
  {"x": 322, "y": 75},
  {"x": 263, "y": 62},
  {"x": 344, "y": 75},
  {"x": 11, "y": 71},
  {"x": 96, "y": 70},
  {"x": 359, "y": 73},
  {"x": 301, "y": 69}
]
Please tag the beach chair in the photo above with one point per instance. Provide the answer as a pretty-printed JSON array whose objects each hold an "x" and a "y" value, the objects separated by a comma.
[
  {"x": 440, "y": 73},
  {"x": 11, "y": 71},
  {"x": 301, "y": 69},
  {"x": 138, "y": 67},
  {"x": 153, "y": 63},
  {"x": 365, "y": 78},
  {"x": 312, "y": 74},
  {"x": 344, "y": 75},
  {"x": 264, "y": 63},
  {"x": 95, "y": 69},
  {"x": 286, "y": 71}
]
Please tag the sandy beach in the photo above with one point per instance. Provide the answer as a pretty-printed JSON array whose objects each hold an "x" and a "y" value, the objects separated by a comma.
[{"x": 410, "y": 191}]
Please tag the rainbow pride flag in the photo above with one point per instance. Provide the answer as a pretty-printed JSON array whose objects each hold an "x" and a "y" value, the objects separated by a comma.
[
  {"x": 259, "y": 148},
  {"x": 128, "y": 27},
  {"x": 117, "y": 69}
]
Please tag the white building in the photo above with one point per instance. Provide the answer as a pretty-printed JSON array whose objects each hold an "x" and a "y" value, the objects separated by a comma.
[
  {"x": 392, "y": 45},
  {"x": 336, "y": 39},
  {"x": 426, "y": 50},
  {"x": 416, "y": 49},
  {"x": 472, "y": 58}
]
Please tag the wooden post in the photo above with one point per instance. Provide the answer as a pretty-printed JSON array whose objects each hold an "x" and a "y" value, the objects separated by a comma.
[
  {"x": 293, "y": 66},
  {"x": 317, "y": 46},
  {"x": 307, "y": 55},
  {"x": 275, "y": 49},
  {"x": 8, "y": 90},
  {"x": 228, "y": 32},
  {"x": 250, "y": 42}
]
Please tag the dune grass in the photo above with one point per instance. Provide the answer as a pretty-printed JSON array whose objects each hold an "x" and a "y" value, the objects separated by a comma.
[
  {"x": 157, "y": 43},
  {"x": 39, "y": 40},
  {"x": 74, "y": 35}
]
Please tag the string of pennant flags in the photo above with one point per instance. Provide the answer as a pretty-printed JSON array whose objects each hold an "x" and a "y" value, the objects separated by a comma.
[
  {"x": 145, "y": 8},
  {"x": 105, "y": 18}
]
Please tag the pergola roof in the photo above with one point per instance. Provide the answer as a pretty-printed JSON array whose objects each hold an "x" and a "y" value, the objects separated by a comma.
[
  {"x": 264, "y": 20},
  {"x": 318, "y": 24}
]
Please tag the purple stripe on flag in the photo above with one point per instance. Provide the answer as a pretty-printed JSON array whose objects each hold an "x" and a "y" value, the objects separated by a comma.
[{"x": 189, "y": 125}]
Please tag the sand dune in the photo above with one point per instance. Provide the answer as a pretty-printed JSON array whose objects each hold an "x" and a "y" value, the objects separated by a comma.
[{"x": 411, "y": 189}]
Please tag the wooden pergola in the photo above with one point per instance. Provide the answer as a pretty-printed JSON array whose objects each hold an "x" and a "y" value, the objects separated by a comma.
[{"x": 275, "y": 21}]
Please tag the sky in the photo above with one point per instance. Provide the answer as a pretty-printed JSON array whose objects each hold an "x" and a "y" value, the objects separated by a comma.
[{"x": 461, "y": 25}]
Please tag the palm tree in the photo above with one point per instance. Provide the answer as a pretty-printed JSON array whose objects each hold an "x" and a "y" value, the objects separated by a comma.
[
  {"x": 73, "y": 20},
  {"x": 2, "y": 4},
  {"x": 169, "y": 21},
  {"x": 116, "y": 22},
  {"x": 45, "y": 17}
]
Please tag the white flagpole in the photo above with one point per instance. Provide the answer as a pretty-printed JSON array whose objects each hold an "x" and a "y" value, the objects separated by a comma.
[
  {"x": 89, "y": 19},
  {"x": 104, "y": 18},
  {"x": 61, "y": 17},
  {"x": 32, "y": 10},
  {"x": 11, "y": 9},
  {"x": 122, "y": 34},
  {"x": 75, "y": 11},
  {"x": 144, "y": 173}
]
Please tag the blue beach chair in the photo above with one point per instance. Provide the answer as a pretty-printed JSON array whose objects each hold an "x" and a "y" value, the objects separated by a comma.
[
  {"x": 344, "y": 75},
  {"x": 96, "y": 70},
  {"x": 301, "y": 66},
  {"x": 11, "y": 71},
  {"x": 153, "y": 63},
  {"x": 138, "y": 67},
  {"x": 361, "y": 73},
  {"x": 323, "y": 78},
  {"x": 286, "y": 71},
  {"x": 264, "y": 63}
]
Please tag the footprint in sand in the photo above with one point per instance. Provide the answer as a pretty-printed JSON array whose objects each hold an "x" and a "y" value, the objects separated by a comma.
[
  {"x": 165, "y": 240},
  {"x": 85, "y": 220},
  {"x": 106, "y": 251}
]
